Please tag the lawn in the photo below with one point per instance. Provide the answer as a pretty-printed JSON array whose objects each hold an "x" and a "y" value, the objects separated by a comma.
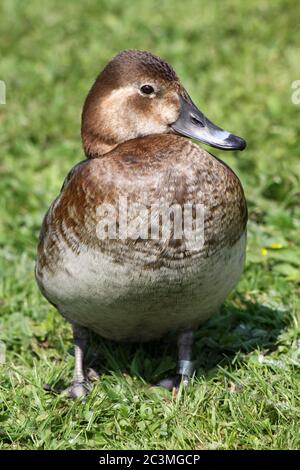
[{"x": 238, "y": 60}]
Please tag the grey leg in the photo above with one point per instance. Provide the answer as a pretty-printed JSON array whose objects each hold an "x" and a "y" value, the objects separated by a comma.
[
  {"x": 184, "y": 363},
  {"x": 79, "y": 386}
]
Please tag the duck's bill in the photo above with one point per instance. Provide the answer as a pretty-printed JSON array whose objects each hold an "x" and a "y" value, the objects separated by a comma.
[{"x": 192, "y": 123}]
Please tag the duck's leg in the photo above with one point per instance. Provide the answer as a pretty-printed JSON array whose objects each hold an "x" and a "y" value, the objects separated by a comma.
[
  {"x": 79, "y": 386},
  {"x": 184, "y": 364}
]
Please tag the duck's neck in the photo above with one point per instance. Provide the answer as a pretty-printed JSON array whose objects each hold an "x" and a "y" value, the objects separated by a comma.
[
  {"x": 96, "y": 146},
  {"x": 96, "y": 133}
]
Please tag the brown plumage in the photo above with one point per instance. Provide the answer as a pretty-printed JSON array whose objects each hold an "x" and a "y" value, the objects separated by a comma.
[{"x": 139, "y": 289}]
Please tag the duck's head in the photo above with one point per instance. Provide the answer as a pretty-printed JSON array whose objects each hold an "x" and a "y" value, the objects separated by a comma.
[{"x": 138, "y": 94}]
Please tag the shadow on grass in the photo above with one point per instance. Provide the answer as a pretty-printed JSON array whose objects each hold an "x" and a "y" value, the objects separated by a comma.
[{"x": 231, "y": 334}]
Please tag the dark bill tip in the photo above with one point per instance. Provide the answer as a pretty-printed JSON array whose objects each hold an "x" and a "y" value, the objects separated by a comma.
[
  {"x": 192, "y": 123},
  {"x": 233, "y": 142}
]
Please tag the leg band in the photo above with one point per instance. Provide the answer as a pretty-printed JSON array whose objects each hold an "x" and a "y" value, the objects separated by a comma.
[{"x": 185, "y": 368}]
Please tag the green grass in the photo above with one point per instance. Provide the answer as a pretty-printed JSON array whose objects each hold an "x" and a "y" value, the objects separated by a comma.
[{"x": 238, "y": 60}]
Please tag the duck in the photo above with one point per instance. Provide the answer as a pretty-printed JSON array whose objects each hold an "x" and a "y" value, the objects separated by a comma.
[{"x": 148, "y": 234}]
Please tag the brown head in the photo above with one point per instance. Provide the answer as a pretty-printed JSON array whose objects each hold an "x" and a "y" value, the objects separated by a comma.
[{"x": 138, "y": 94}]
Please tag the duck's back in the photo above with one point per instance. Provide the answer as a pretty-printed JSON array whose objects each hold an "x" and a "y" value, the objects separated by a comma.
[{"x": 139, "y": 287}]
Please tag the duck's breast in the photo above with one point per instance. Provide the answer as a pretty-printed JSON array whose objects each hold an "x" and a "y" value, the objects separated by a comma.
[{"x": 128, "y": 289}]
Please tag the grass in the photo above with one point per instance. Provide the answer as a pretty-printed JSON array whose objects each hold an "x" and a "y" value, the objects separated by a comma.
[{"x": 238, "y": 60}]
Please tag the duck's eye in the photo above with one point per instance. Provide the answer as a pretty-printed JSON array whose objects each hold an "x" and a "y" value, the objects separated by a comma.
[{"x": 147, "y": 89}]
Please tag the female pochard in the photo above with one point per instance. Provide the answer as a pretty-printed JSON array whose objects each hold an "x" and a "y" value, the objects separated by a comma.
[{"x": 148, "y": 234}]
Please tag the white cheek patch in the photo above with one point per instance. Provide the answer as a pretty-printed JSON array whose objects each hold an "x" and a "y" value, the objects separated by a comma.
[
  {"x": 168, "y": 114},
  {"x": 120, "y": 93},
  {"x": 150, "y": 126},
  {"x": 113, "y": 105},
  {"x": 124, "y": 124},
  {"x": 112, "y": 113}
]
